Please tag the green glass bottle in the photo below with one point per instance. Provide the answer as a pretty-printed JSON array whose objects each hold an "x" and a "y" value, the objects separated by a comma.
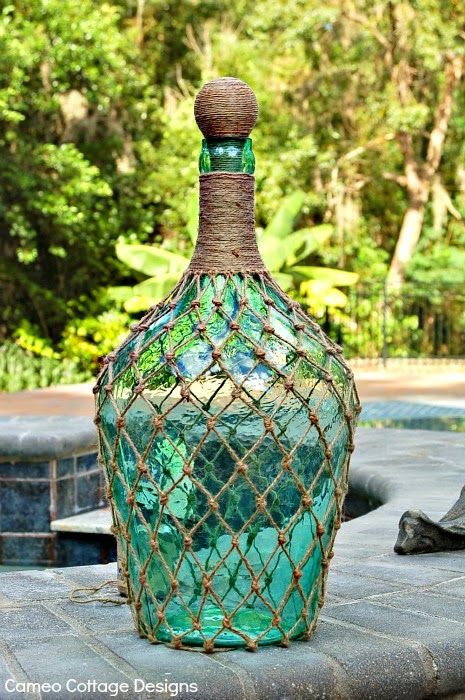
[{"x": 226, "y": 425}]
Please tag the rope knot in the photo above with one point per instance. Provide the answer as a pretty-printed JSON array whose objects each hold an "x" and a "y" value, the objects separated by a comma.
[
  {"x": 306, "y": 501},
  {"x": 142, "y": 467},
  {"x": 261, "y": 502},
  {"x": 157, "y": 421},
  {"x": 268, "y": 423}
]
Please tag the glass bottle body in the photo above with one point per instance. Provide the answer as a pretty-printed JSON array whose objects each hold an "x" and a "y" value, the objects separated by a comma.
[{"x": 226, "y": 462}]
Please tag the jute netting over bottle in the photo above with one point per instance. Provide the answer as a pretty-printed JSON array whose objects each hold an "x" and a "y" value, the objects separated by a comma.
[{"x": 226, "y": 425}]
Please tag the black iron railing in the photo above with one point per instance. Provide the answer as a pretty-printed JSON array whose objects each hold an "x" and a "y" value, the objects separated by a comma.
[{"x": 409, "y": 322}]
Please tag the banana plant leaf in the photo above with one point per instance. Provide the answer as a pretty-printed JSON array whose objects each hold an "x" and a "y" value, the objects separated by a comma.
[
  {"x": 156, "y": 287},
  {"x": 305, "y": 241},
  {"x": 320, "y": 293},
  {"x": 151, "y": 260},
  {"x": 282, "y": 223},
  {"x": 284, "y": 280},
  {"x": 331, "y": 275}
]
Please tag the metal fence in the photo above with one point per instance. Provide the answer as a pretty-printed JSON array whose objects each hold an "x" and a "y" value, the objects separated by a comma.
[{"x": 410, "y": 322}]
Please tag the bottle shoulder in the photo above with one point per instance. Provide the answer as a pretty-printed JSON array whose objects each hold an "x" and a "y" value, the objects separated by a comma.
[{"x": 242, "y": 328}]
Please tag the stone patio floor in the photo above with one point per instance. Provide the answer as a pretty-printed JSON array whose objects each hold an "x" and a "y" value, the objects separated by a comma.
[{"x": 392, "y": 627}]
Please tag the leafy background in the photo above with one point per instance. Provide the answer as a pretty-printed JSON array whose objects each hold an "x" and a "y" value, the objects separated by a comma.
[{"x": 99, "y": 155}]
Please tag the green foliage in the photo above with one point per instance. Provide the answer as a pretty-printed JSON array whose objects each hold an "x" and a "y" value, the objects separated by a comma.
[
  {"x": 21, "y": 369},
  {"x": 99, "y": 150},
  {"x": 284, "y": 251},
  {"x": 72, "y": 94},
  {"x": 86, "y": 340}
]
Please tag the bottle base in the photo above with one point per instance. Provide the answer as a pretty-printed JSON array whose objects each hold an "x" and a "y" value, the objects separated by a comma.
[{"x": 246, "y": 626}]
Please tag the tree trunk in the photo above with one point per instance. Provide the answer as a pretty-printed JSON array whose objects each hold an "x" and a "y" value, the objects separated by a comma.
[
  {"x": 140, "y": 22},
  {"x": 419, "y": 176},
  {"x": 409, "y": 235}
]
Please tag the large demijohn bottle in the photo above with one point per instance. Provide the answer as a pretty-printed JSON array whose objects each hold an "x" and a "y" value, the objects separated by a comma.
[{"x": 226, "y": 425}]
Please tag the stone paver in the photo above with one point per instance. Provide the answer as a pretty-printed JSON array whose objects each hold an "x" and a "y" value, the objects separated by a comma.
[
  {"x": 25, "y": 437},
  {"x": 393, "y": 627},
  {"x": 94, "y": 521}
]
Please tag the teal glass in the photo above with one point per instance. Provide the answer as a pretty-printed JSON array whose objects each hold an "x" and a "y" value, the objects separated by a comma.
[
  {"x": 226, "y": 423},
  {"x": 233, "y": 155}
]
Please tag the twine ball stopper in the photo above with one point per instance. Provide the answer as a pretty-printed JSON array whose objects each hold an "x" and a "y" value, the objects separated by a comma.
[{"x": 226, "y": 107}]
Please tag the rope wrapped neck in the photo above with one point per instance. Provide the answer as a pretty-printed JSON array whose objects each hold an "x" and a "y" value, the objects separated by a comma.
[{"x": 226, "y": 240}]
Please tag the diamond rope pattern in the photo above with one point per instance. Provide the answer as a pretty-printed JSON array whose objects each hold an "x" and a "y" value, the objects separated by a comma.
[{"x": 226, "y": 426}]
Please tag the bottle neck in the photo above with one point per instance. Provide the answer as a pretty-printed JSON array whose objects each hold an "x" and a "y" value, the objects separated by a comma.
[
  {"x": 226, "y": 240},
  {"x": 227, "y": 154}
]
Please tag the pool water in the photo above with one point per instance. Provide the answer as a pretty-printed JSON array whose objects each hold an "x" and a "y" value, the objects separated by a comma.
[
  {"x": 454, "y": 424},
  {"x": 410, "y": 415}
]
